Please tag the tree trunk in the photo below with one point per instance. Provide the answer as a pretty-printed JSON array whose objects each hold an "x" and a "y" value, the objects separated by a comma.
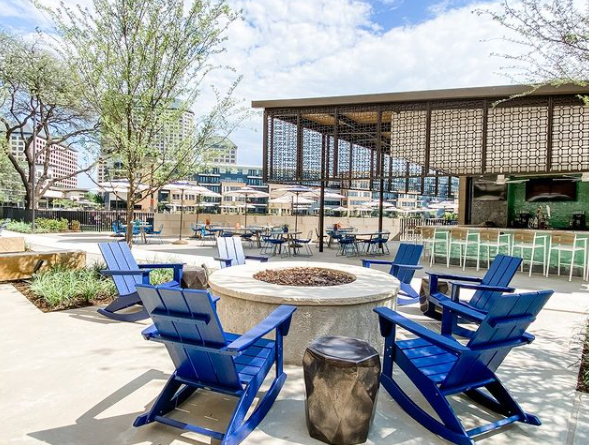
[{"x": 130, "y": 211}]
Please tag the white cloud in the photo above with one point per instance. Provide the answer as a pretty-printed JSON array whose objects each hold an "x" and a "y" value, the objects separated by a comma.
[
  {"x": 304, "y": 48},
  {"x": 329, "y": 47}
]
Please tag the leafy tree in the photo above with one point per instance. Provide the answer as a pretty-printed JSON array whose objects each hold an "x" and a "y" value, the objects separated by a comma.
[
  {"x": 11, "y": 189},
  {"x": 143, "y": 63},
  {"x": 553, "y": 36},
  {"x": 37, "y": 89}
]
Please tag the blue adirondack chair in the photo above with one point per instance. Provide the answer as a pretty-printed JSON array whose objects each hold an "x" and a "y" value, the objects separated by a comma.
[
  {"x": 440, "y": 366},
  {"x": 231, "y": 252},
  {"x": 403, "y": 268},
  {"x": 488, "y": 289},
  {"x": 208, "y": 358},
  {"x": 126, "y": 274}
]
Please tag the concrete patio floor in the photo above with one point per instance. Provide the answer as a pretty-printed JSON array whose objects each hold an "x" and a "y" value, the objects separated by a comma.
[{"x": 74, "y": 377}]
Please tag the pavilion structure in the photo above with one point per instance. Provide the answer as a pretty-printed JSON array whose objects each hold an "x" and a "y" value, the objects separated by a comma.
[{"x": 416, "y": 142}]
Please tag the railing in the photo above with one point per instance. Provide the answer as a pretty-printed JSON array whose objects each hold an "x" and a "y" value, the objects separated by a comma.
[
  {"x": 408, "y": 226},
  {"x": 90, "y": 220}
]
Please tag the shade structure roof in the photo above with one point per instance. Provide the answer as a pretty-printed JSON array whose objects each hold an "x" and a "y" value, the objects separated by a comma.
[{"x": 416, "y": 142}]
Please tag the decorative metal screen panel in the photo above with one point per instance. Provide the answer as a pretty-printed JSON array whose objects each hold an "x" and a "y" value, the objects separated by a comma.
[
  {"x": 517, "y": 139},
  {"x": 570, "y": 138},
  {"x": 421, "y": 146},
  {"x": 456, "y": 138}
]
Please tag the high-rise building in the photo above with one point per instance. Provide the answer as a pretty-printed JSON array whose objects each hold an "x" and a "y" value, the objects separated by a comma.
[
  {"x": 172, "y": 133},
  {"x": 224, "y": 151},
  {"x": 63, "y": 161}
]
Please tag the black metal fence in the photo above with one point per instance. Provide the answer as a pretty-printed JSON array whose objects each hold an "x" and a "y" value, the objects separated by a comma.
[{"x": 90, "y": 220}]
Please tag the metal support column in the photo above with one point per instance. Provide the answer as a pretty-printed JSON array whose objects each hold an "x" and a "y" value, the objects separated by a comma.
[{"x": 321, "y": 227}]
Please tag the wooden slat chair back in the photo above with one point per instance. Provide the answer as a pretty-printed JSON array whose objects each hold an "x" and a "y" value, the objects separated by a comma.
[
  {"x": 563, "y": 239},
  {"x": 489, "y": 235},
  {"x": 524, "y": 236},
  {"x": 206, "y": 357},
  {"x": 190, "y": 317},
  {"x": 231, "y": 252},
  {"x": 231, "y": 248},
  {"x": 403, "y": 267},
  {"x": 118, "y": 256},
  {"x": 502, "y": 329},
  {"x": 501, "y": 272},
  {"x": 458, "y": 234},
  {"x": 439, "y": 366},
  {"x": 127, "y": 274},
  {"x": 408, "y": 254}
]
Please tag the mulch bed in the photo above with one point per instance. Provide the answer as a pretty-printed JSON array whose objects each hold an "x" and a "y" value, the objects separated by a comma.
[
  {"x": 305, "y": 276},
  {"x": 583, "y": 382},
  {"x": 24, "y": 288}
]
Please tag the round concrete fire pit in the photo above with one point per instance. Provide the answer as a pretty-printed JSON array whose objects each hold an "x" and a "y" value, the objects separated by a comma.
[{"x": 344, "y": 309}]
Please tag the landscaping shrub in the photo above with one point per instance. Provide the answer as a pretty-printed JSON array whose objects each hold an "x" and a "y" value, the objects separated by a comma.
[
  {"x": 42, "y": 225},
  {"x": 51, "y": 225},
  {"x": 19, "y": 226},
  {"x": 63, "y": 287}
]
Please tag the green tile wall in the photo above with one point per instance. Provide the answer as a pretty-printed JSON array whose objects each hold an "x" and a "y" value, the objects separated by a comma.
[{"x": 561, "y": 212}]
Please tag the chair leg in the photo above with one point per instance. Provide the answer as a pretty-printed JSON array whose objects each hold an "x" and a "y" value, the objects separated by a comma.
[
  {"x": 572, "y": 265},
  {"x": 503, "y": 403},
  {"x": 163, "y": 404}
]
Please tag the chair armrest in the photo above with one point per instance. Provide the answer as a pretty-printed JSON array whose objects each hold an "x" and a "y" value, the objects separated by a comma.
[
  {"x": 227, "y": 261},
  {"x": 367, "y": 263},
  {"x": 119, "y": 273},
  {"x": 407, "y": 266},
  {"x": 276, "y": 319},
  {"x": 162, "y": 266},
  {"x": 260, "y": 258},
  {"x": 482, "y": 287},
  {"x": 446, "y": 343},
  {"x": 454, "y": 277},
  {"x": 462, "y": 309}
]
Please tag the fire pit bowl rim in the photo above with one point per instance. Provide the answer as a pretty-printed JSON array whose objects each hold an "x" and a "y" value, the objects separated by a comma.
[{"x": 370, "y": 285}]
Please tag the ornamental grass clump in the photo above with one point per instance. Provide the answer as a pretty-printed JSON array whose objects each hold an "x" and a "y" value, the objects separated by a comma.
[{"x": 69, "y": 288}]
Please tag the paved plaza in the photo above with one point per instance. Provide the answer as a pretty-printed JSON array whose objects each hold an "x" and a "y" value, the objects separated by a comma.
[{"x": 75, "y": 377}]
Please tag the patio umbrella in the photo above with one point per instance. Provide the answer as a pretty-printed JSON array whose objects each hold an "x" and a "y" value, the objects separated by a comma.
[
  {"x": 247, "y": 192},
  {"x": 340, "y": 209},
  {"x": 377, "y": 204},
  {"x": 118, "y": 186},
  {"x": 185, "y": 186},
  {"x": 297, "y": 191}
]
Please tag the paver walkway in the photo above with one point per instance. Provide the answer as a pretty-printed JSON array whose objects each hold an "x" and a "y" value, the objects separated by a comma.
[{"x": 74, "y": 377}]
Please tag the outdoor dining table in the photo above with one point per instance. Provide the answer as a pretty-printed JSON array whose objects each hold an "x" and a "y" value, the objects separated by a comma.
[
  {"x": 367, "y": 238},
  {"x": 291, "y": 242}
]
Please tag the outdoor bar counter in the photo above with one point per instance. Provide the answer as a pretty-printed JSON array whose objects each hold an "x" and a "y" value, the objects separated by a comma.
[{"x": 550, "y": 248}]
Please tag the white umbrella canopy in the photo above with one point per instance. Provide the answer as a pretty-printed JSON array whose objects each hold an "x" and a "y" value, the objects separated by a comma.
[
  {"x": 119, "y": 186},
  {"x": 247, "y": 192},
  {"x": 340, "y": 209},
  {"x": 292, "y": 200},
  {"x": 385, "y": 204},
  {"x": 332, "y": 195},
  {"x": 296, "y": 191},
  {"x": 186, "y": 186},
  {"x": 445, "y": 205}
]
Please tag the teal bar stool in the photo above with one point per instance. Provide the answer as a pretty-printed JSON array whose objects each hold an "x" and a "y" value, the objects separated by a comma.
[
  {"x": 572, "y": 244},
  {"x": 493, "y": 242},
  {"x": 527, "y": 241}
]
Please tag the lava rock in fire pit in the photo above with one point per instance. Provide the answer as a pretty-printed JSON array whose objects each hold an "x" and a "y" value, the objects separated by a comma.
[{"x": 305, "y": 276}]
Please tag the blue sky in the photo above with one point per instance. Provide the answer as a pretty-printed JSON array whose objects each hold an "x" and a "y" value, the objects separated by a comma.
[
  {"x": 307, "y": 48},
  {"x": 393, "y": 13}
]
